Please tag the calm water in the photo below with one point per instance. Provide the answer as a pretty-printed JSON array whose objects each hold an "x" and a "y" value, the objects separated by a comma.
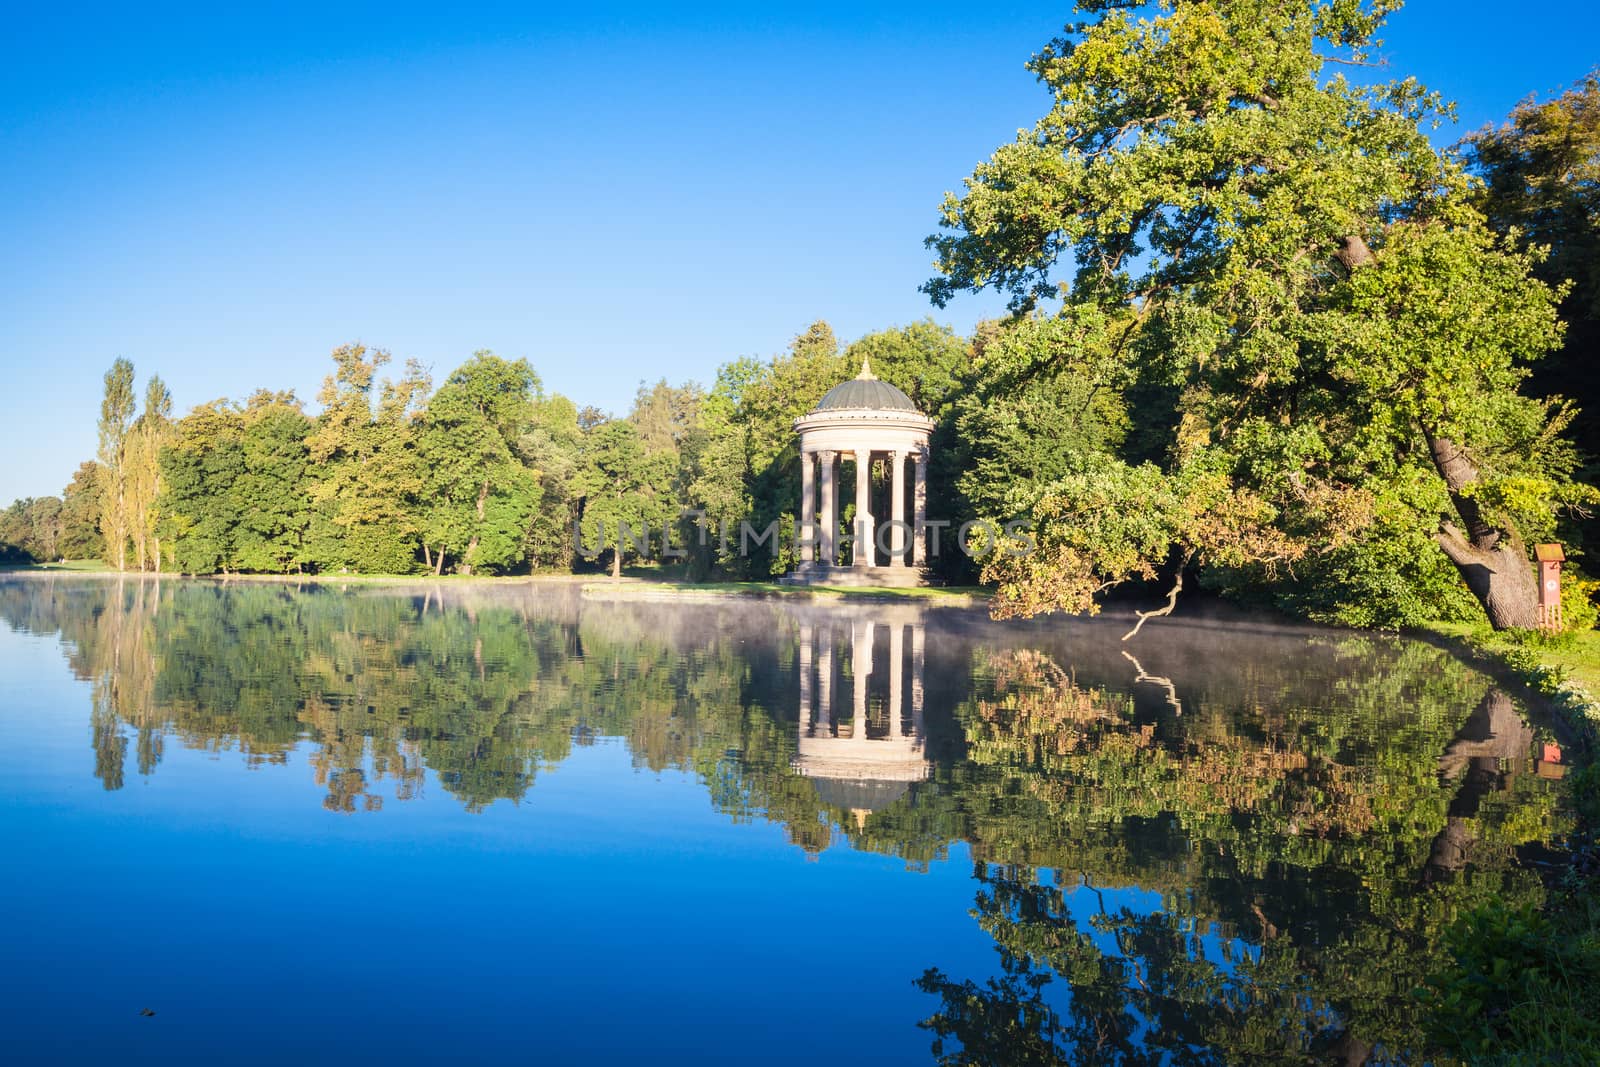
[{"x": 513, "y": 825}]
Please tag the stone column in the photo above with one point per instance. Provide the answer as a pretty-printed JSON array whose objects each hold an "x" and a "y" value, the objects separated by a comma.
[
  {"x": 897, "y": 666},
  {"x": 917, "y": 659},
  {"x": 808, "y": 509},
  {"x": 805, "y": 680},
  {"x": 920, "y": 506},
  {"x": 825, "y": 684},
  {"x": 861, "y": 668},
  {"x": 897, "y": 511},
  {"x": 864, "y": 548},
  {"x": 830, "y": 516}
]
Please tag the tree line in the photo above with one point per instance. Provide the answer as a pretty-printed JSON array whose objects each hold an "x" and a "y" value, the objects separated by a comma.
[
  {"x": 487, "y": 473},
  {"x": 1264, "y": 336}
]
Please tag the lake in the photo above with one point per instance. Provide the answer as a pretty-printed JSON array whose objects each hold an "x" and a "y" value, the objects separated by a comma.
[{"x": 517, "y": 824}]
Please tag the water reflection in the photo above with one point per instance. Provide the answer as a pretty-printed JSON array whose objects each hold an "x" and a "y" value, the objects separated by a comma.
[
  {"x": 869, "y": 764},
  {"x": 1237, "y": 846}
]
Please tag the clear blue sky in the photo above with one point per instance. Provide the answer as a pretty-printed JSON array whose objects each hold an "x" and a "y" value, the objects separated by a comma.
[{"x": 617, "y": 194}]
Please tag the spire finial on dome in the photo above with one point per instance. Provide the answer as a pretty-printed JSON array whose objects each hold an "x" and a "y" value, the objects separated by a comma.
[{"x": 866, "y": 374}]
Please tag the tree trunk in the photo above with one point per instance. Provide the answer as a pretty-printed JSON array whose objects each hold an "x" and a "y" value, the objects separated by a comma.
[
  {"x": 472, "y": 545},
  {"x": 616, "y": 562},
  {"x": 438, "y": 562},
  {"x": 1500, "y": 577},
  {"x": 427, "y": 556},
  {"x": 1493, "y": 736},
  {"x": 1492, "y": 561}
]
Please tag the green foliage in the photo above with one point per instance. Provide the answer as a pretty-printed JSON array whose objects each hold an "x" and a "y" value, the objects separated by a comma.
[
  {"x": 366, "y": 476},
  {"x": 1286, "y": 256},
  {"x": 550, "y": 449},
  {"x": 1521, "y": 988},
  {"x": 1541, "y": 174},
  {"x": 622, "y": 484},
  {"x": 1036, "y": 408},
  {"x": 275, "y": 515},
  {"x": 1389, "y": 575},
  {"x": 32, "y": 530},
  {"x": 80, "y": 511},
  {"x": 262, "y": 487},
  {"x": 116, "y": 420},
  {"x": 478, "y": 497},
  {"x": 1580, "y": 602},
  {"x": 202, "y": 506},
  {"x": 924, "y": 360}
]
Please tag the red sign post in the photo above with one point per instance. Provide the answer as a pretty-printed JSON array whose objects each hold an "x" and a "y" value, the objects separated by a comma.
[{"x": 1550, "y": 558}]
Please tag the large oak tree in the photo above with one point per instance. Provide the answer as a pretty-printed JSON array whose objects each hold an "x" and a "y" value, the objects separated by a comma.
[{"x": 1223, "y": 214}]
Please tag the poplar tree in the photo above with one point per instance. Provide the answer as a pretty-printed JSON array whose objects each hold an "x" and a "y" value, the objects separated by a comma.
[
  {"x": 151, "y": 432},
  {"x": 116, "y": 420}
]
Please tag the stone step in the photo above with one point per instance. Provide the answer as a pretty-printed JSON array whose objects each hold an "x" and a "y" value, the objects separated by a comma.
[{"x": 823, "y": 575}]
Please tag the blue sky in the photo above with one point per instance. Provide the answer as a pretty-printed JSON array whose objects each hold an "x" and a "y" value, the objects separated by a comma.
[{"x": 617, "y": 193}]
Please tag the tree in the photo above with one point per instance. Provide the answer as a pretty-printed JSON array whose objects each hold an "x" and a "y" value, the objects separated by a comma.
[
  {"x": 717, "y": 472},
  {"x": 204, "y": 504},
  {"x": 769, "y": 402},
  {"x": 550, "y": 450},
  {"x": 621, "y": 484},
  {"x": 272, "y": 485},
  {"x": 1286, "y": 257},
  {"x": 665, "y": 416},
  {"x": 366, "y": 480},
  {"x": 1037, "y": 408},
  {"x": 478, "y": 498},
  {"x": 80, "y": 514},
  {"x": 30, "y": 530},
  {"x": 116, "y": 419},
  {"x": 1541, "y": 174},
  {"x": 151, "y": 433},
  {"x": 924, "y": 360},
  {"x": 672, "y": 428}
]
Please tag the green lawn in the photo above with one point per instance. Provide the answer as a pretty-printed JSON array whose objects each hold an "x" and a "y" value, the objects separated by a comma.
[
  {"x": 82, "y": 566},
  {"x": 1576, "y": 654}
]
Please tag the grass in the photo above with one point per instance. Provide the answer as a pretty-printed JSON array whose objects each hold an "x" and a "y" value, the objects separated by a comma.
[
  {"x": 1575, "y": 655},
  {"x": 640, "y": 578},
  {"x": 77, "y": 566}
]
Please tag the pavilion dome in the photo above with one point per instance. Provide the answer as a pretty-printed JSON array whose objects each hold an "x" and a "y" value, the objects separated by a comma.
[{"x": 864, "y": 392}]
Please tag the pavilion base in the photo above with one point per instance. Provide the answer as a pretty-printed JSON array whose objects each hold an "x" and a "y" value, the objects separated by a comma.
[{"x": 823, "y": 574}]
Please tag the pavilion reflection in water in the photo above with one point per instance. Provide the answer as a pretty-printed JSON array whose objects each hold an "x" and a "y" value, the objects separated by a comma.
[{"x": 868, "y": 671}]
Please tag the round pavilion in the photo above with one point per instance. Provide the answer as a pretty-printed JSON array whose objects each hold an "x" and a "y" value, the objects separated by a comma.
[{"x": 868, "y": 423}]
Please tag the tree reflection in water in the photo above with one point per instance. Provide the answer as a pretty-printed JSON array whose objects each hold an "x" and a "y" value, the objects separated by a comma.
[{"x": 1239, "y": 846}]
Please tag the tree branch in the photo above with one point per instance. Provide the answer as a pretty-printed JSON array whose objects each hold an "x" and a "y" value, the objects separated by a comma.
[
  {"x": 1455, "y": 546},
  {"x": 1165, "y": 683},
  {"x": 1459, "y": 472},
  {"x": 1172, "y": 599}
]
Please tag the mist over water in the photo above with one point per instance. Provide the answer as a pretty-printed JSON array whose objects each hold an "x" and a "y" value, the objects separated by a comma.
[{"x": 513, "y": 821}]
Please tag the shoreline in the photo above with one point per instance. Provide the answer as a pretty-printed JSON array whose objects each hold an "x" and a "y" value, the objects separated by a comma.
[{"x": 593, "y": 586}]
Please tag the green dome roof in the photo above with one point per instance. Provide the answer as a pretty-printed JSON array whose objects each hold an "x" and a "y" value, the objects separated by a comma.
[{"x": 865, "y": 392}]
